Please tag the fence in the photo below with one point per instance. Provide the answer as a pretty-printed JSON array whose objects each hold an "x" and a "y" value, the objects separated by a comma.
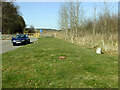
[
  {"x": 31, "y": 35},
  {"x": 35, "y": 35},
  {"x": 38, "y": 35},
  {"x": 6, "y": 36}
]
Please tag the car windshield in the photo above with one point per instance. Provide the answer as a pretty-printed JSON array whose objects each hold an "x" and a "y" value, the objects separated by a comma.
[{"x": 20, "y": 36}]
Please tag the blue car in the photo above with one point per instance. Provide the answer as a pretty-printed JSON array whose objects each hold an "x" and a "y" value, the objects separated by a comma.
[{"x": 20, "y": 39}]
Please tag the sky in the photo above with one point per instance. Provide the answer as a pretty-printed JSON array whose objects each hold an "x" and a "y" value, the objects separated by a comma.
[{"x": 46, "y": 14}]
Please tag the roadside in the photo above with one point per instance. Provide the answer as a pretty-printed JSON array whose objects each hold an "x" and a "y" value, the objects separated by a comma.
[
  {"x": 7, "y": 45},
  {"x": 39, "y": 65}
]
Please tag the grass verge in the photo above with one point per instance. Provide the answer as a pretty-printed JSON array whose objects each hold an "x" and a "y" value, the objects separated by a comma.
[{"x": 38, "y": 65}]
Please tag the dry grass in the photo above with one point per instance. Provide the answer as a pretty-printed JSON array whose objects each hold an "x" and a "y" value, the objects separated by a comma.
[{"x": 108, "y": 46}]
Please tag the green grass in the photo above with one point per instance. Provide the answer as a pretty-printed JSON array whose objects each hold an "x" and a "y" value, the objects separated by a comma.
[{"x": 38, "y": 65}]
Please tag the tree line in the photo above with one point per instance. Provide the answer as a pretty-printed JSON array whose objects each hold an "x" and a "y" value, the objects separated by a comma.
[
  {"x": 74, "y": 24},
  {"x": 12, "y": 21}
]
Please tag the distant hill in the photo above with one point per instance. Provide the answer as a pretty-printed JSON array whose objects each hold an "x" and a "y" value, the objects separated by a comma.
[{"x": 46, "y": 29}]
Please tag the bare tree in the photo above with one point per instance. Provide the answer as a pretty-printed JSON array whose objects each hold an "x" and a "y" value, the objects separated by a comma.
[
  {"x": 94, "y": 20},
  {"x": 66, "y": 19},
  {"x": 77, "y": 17},
  {"x": 63, "y": 13},
  {"x": 72, "y": 20}
]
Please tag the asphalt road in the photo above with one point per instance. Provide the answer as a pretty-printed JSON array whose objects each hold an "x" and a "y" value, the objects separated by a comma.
[{"x": 6, "y": 45}]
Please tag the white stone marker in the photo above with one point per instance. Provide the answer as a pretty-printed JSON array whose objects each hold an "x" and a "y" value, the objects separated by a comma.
[{"x": 99, "y": 51}]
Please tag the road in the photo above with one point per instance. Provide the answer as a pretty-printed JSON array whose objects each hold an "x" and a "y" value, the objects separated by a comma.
[{"x": 6, "y": 45}]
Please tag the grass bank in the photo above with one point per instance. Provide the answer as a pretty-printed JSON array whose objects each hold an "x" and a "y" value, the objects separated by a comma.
[{"x": 38, "y": 65}]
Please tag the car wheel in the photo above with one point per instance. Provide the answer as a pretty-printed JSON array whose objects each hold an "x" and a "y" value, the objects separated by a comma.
[
  {"x": 29, "y": 41},
  {"x": 25, "y": 42},
  {"x": 14, "y": 44}
]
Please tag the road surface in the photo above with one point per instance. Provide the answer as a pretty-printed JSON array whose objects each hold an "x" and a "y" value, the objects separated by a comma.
[{"x": 6, "y": 45}]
